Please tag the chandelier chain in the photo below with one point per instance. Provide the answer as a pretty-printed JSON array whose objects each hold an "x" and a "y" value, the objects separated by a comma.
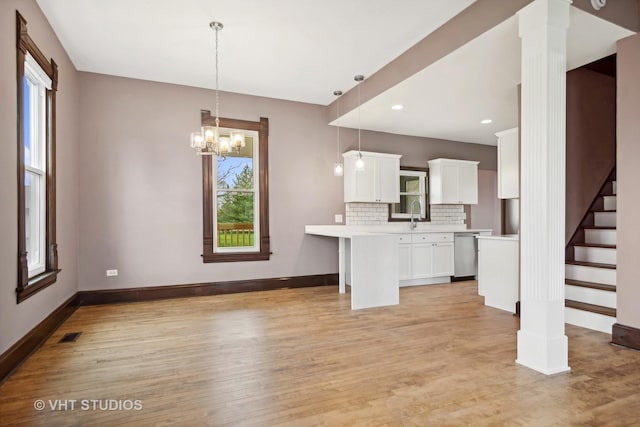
[{"x": 217, "y": 82}]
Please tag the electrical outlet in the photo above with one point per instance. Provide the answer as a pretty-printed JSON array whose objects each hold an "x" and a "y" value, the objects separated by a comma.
[
  {"x": 338, "y": 219},
  {"x": 111, "y": 273}
]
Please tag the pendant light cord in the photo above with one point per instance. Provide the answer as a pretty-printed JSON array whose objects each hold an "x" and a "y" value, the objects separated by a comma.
[
  {"x": 359, "y": 123},
  {"x": 338, "y": 128}
]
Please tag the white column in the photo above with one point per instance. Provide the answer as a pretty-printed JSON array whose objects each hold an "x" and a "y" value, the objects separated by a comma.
[{"x": 542, "y": 343}]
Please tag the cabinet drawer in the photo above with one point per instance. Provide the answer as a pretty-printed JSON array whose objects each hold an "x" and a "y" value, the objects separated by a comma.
[
  {"x": 403, "y": 238},
  {"x": 432, "y": 237}
]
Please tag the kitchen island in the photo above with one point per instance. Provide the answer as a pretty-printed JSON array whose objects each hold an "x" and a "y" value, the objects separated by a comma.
[{"x": 370, "y": 257}]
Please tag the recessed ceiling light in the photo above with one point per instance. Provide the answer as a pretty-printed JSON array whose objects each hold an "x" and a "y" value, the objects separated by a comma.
[
  {"x": 397, "y": 107},
  {"x": 486, "y": 121}
]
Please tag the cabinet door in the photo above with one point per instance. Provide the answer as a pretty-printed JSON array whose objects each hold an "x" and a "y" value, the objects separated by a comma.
[
  {"x": 365, "y": 181},
  {"x": 450, "y": 185},
  {"x": 508, "y": 166},
  {"x": 421, "y": 260},
  {"x": 404, "y": 255},
  {"x": 443, "y": 258},
  {"x": 359, "y": 185},
  {"x": 468, "y": 185},
  {"x": 388, "y": 180}
]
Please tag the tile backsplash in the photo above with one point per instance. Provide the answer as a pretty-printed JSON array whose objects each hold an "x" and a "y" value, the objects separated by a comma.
[
  {"x": 378, "y": 213},
  {"x": 366, "y": 213},
  {"x": 448, "y": 214}
]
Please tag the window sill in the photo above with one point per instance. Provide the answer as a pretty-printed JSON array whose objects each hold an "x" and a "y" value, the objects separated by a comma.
[
  {"x": 36, "y": 284},
  {"x": 408, "y": 219},
  {"x": 236, "y": 257}
]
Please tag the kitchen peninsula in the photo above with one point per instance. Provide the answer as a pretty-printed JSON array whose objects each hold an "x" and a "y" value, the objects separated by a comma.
[{"x": 371, "y": 258}]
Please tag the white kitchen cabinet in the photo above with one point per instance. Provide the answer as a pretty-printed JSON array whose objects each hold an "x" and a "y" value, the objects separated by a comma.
[
  {"x": 422, "y": 260},
  {"x": 404, "y": 256},
  {"x": 453, "y": 182},
  {"x": 443, "y": 259},
  {"x": 430, "y": 256},
  {"x": 377, "y": 183},
  {"x": 508, "y": 164}
]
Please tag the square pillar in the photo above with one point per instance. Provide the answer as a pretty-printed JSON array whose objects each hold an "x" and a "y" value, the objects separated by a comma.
[{"x": 542, "y": 343}]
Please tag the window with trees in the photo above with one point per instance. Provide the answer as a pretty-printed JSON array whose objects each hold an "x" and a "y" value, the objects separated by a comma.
[
  {"x": 37, "y": 80},
  {"x": 413, "y": 196},
  {"x": 235, "y": 195}
]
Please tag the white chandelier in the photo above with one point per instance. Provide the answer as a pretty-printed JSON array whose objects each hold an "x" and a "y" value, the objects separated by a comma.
[{"x": 209, "y": 141}]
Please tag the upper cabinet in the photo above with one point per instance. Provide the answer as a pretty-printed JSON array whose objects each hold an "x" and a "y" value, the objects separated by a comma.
[
  {"x": 377, "y": 182},
  {"x": 508, "y": 164},
  {"x": 453, "y": 182}
]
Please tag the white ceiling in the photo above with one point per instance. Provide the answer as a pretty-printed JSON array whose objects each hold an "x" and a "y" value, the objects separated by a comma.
[
  {"x": 448, "y": 99},
  {"x": 287, "y": 49},
  {"x": 304, "y": 50}
]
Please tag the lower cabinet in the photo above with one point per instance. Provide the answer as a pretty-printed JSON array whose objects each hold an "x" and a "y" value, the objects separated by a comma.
[
  {"x": 404, "y": 260},
  {"x": 443, "y": 258},
  {"x": 427, "y": 259},
  {"x": 422, "y": 260}
]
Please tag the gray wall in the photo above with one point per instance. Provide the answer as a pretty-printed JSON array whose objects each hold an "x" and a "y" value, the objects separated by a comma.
[
  {"x": 141, "y": 190},
  {"x": 628, "y": 175},
  {"x": 416, "y": 151},
  {"x": 17, "y": 319},
  {"x": 487, "y": 213}
]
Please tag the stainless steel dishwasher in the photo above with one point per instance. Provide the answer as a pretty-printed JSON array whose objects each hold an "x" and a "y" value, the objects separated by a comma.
[{"x": 466, "y": 255}]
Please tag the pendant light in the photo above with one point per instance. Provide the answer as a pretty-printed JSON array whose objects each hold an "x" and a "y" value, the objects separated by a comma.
[
  {"x": 338, "y": 169},
  {"x": 209, "y": 141},
  {"x": 360, "y": 162}
]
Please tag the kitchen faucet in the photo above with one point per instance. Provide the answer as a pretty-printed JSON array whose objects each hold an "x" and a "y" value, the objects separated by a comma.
[{"x": 413, "y": 224}]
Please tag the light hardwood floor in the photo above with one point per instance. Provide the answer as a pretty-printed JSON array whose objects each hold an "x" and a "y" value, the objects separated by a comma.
[{"x": 301, "y": 357}]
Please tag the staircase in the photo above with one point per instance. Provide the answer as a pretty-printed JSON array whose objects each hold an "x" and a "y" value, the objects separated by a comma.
[{"x": 590, "y": 267}]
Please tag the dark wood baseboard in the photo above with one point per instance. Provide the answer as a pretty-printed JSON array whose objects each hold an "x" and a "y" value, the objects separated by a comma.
[
  {"x": 462, "y": 278},
  {"x": 626, "y": 336},
  {"x": 111, "y": 296},
  {"x": 11, "y": 359}
]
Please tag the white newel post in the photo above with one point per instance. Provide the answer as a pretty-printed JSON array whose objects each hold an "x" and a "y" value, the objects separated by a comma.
[{"x": 542, "y": 343}]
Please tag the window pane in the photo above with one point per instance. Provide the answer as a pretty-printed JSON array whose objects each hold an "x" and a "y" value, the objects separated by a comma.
[
  {"x": 235, "y": 215},
  {"x": 236, "y": 169},
  {"x": 405, "y": 205},
  {"x": 26, "y": 113},
  {"x": 409, "y": 184},
  {"x": 34, "y": 220}
]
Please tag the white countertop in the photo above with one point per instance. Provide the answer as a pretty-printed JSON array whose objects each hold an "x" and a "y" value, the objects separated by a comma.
[
  {"x": 511, "y": 237},
  {"x": 401, "y": 228}
]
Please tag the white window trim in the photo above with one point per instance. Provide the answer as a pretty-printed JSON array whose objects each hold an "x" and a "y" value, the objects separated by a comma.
[
  {"x": 422, "y": 193},
  {"x": 256, "y": 201},
  {"x": 41, "y": 83},
  {"x": 31, "y": 67}
]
